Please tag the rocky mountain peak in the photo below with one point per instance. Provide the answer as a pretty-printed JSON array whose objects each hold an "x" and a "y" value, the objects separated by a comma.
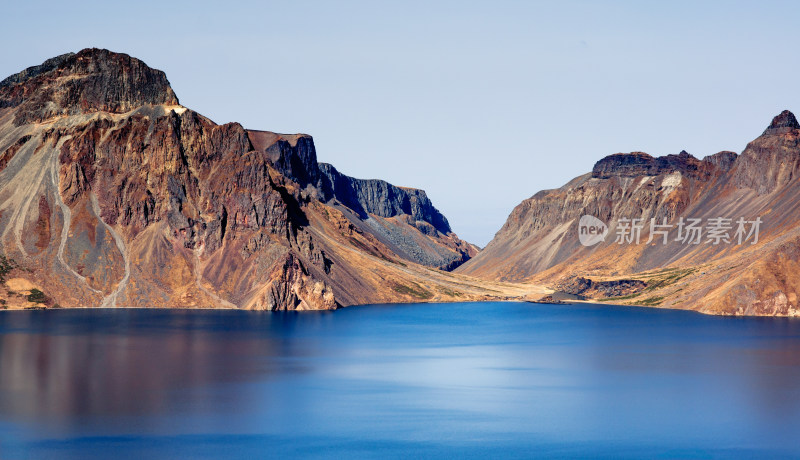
[
  {"x": 623, "y": 164},
  {"x": 91, "y": 80},
  {"x": 637, "y": 164},
  {"x": 782, "y": 123}
]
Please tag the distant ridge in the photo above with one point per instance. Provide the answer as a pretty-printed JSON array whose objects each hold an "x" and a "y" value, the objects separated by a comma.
[{"x": 540, "y": 242}]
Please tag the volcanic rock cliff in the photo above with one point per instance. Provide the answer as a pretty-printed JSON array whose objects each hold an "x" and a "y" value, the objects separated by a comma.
[
  {"x": 540, "y": 241},
  {"x": 114, "y": 194},
  {"x": 402, "y": 218}
]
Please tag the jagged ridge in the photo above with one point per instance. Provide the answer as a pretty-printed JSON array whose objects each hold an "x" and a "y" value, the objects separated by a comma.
[{"x": 413, "y": 228}]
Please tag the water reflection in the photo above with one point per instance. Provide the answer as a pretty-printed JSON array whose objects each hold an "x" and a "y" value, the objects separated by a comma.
[{"x": 78, "y": 363}]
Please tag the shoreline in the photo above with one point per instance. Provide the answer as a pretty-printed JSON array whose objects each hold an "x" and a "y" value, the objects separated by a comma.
[{"x": 520, "y": 300}]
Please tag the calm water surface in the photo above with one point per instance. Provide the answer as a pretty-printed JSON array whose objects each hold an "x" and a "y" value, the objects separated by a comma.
[{"x": 452, "y": 380}]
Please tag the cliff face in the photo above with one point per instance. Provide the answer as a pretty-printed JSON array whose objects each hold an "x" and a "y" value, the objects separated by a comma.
[
  {"x": 540, "y": 241},
  {"x": 638, "y": 164},
  {"x": 402, "y": 218},
  {"x": 113, "y": 194}
]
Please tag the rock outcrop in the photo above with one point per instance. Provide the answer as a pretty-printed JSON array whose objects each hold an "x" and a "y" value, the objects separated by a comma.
[
  {"x": 593, "y": 289},
  {"x": 90, "y": 81},
  {"x": 783, "y": 123},
  {"x": 540, "y": 240},
  {"x": 402, "y": 218},
  {"x": 639, "y": 164}
]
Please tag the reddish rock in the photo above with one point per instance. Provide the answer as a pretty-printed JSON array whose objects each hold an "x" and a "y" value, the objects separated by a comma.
[{"x": 115, "y": 195}]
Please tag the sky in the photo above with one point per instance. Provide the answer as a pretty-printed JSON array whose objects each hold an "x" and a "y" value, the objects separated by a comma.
[{"x": 481, "y": 104}]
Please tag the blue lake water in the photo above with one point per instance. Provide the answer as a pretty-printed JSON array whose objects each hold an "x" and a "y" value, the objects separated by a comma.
[{"x": 465, "y": 380}]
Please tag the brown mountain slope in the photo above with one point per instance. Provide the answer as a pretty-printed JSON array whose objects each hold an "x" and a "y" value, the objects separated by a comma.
[
  {"x": 540, "y": 241},
  {"x": 113, "y": 194}
]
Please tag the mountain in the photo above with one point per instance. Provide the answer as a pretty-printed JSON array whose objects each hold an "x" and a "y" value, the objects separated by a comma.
[
  {"x": 114, "y": 194},
  {"x": 681, "y": 267},
  {"x": 402, "y": 218}
]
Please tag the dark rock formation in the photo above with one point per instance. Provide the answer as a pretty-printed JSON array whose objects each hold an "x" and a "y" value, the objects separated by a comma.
[
  {"x": 375, "y": 196},
  {"x": 35, "y": 70},
  {"x": 549, "y": 299},
  {"x": 297, "y": 159},
  {"x": 411, "y": 226},
  {"x": 90, "y": 81},
  {"x": 782, "y": 123},
  {"x": 625, "y": 164},
  {"x": 601, "y": 289},
  {"x": 641, "y": 164}
]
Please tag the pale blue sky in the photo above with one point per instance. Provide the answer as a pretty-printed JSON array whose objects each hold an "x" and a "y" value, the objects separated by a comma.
[{"x": 481, "y": 104}]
